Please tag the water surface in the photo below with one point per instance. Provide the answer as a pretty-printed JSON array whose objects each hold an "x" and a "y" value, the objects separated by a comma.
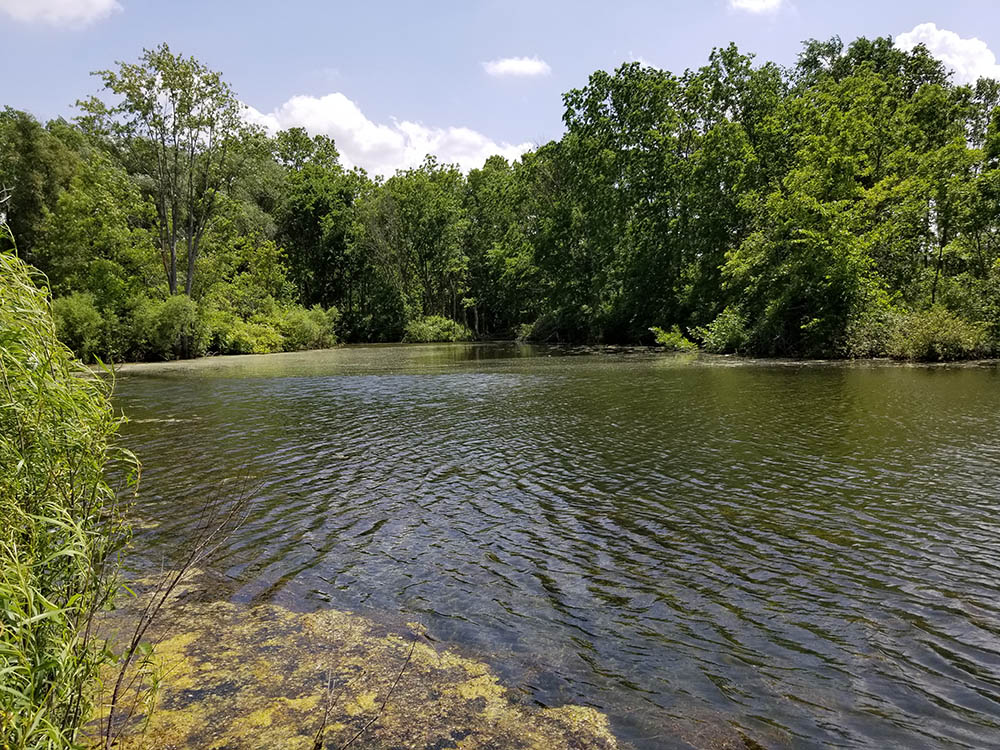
[{"x": 808, "y": 554}]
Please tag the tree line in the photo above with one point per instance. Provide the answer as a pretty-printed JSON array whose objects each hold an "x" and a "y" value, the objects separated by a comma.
[{"x": 847, "y": 206}]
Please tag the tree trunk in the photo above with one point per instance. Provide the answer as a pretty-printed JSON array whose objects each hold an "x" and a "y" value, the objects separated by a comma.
[
  {"x": 937, "y": 274},
  {"x": 172, "y": 272}
]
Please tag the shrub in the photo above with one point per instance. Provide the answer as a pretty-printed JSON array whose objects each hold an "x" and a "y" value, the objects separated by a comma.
[
  {"x": 170, "y": 328},
  {"x": 724, "y": 335},
  {"x": 435, "y": 328},
  {"x": 62, "y": 525},
  {"x": 673, "y": 340},
  {"x": 870, "y": 332},
  {"x": 524, "y": 332},
  {"x": 79, "y": 324},
  {"x": 218, "y": 328},
  {"x": 309, "y": 329},
  {"x": 258, "y": 336},
  {"x": 937, "y": 335}
]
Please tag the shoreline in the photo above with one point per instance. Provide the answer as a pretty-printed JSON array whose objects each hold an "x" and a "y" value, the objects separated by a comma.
[{"x": 571, "y": 350}]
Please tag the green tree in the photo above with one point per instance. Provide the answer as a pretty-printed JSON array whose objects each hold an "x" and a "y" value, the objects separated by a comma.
[
  {"x": 35, "y": 166},
  {"x": 412, "y": 229},
  {"x": 177, "y": 126}
]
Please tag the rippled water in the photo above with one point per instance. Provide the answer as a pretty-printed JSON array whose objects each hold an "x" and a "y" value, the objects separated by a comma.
[{"x": 809, "y": 554}]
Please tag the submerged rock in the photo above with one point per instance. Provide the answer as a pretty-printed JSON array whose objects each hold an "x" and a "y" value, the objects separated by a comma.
[{"x": 265, "y": 677}]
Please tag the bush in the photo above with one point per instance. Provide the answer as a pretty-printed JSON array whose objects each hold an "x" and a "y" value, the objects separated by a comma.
[
  {"x": 79, "y": 324},
  {"x": 870, "y": 332},
  {"x": 435, "y": 328},
  {"x": 258, "y": 336},
  {"x": 62, "y": 525},
  {"x": 726, "y": 334},
  {"x": 937, "y": 335},
  {"x": 169, "y": 329},
  {"x": 309, "y": 329},
  {"x": 524, "y": 332},
  {"x": 673, "y": 340}
]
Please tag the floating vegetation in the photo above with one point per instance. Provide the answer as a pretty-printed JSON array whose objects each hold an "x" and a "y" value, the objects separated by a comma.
[{"x": 264, "y": 676}]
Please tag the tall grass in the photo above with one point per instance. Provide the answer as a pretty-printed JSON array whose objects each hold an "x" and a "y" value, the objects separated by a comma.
[{"x": 62, "y": 527}]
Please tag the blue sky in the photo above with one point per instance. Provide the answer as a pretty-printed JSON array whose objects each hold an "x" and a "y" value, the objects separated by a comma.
[{"x": 392, "y": 80}]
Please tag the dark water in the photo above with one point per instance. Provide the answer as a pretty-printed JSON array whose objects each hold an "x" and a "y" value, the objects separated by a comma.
[{"x": 809, "y": 554}]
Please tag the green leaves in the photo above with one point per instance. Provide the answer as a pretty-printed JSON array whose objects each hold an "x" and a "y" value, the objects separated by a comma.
[
  {"x": 810, "y": 206},
  {"x": 61, "y": 525},
  {"x": 179, "y": 123}
]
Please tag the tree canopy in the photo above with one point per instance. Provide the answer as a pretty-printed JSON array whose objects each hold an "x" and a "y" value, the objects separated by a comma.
[{"x": 847, "y": 206}]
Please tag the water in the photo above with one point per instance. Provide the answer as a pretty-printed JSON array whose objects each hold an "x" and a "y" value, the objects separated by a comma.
[{"x": 806, "y": 554}]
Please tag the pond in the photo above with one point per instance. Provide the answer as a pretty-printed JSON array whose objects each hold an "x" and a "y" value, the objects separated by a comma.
[{"x": 804, "y": 553}]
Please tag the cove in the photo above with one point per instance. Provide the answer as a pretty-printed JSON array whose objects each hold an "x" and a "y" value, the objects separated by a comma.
[{"x": 700, "y": 548}]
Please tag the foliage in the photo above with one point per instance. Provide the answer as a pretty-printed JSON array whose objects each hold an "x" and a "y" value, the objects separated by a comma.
[
  {"x": 182, "y": 124},
  {"x": 78, "y": 323},
  {"x": 727, "y": 334},
  {"x": 793, "y": 212},
  {"x": 435, "y": 328},
  {"x": 937, "y": 335},
  {"x": 62, "y": 524},
  {"x": 35, "y": 165},
  {"x": 673, "y": 340},
  {"x": 314, "y": 328},
  {"x": 170, "y": 328}
]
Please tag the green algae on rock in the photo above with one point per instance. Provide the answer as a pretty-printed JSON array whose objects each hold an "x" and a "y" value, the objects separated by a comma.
[{"x": 235, "y": 677}]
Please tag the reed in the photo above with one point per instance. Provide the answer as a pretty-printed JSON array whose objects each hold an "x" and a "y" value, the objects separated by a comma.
[{"x": 63, "y": 527}]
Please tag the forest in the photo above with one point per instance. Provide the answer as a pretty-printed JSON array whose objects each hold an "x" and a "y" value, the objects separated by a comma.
[{"x": 848, "y": 206}]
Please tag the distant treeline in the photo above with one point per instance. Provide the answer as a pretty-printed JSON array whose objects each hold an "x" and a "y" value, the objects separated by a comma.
[{"x": 847, "y": 206}]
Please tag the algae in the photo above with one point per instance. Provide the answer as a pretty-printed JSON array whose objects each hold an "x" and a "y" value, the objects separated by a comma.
[{"x": 266, "y": 677}]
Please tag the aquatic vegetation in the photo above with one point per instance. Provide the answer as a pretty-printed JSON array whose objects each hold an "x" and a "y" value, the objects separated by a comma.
[{"x": 239, "y": 677}]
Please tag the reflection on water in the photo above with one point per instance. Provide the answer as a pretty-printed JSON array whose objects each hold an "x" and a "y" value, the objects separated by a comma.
[{"x": 808, "y": 553}]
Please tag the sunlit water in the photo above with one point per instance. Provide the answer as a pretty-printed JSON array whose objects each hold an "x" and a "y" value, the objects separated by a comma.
[{"x": 807, "y": 553}]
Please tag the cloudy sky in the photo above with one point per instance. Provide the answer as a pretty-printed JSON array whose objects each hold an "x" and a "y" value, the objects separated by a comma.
[{"x": 392, "y": 81}]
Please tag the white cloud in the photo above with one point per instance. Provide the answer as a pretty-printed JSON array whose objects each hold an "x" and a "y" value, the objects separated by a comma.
[
  {"x": 379, "y": 147},
  {"x": 970, "y": 58},
  {"x": 756, "y": 6},
  {"x": 643, "y": 61},
  {"x": 59, "y": 12},
  {"x": 518, "y": 66}
]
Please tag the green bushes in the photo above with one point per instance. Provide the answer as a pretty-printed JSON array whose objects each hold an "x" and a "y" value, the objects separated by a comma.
[
  {"x": 309, "y": 329},
  {"x": 565, "y": 324},
  {"x": 435, "y": 328},
  {"x": 937, "y": 335},
  {"x": 673, "y": 340},
  {"x": 255, "y": 336},
  {"x": 286, "y": 329},
  {"x": 178, "y": 327},
  {"x": 726, "y": 334},
  {"x": 169, "y": 329},
  {"x": 61, "y": 525},
  {"x": 79, "y": 324}
]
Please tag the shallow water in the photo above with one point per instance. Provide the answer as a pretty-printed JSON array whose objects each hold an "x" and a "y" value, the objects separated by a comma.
[{"x": 806, "y": 553}]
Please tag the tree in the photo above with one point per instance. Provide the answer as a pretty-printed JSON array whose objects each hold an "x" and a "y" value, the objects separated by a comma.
[
  {"x": 178, "y": 127},
  {"x": 503, "y": 277},
  {"x": 314, "y": 218},
  {"x": 414, "y": 229},
  {"x": 35, "y": 166}
]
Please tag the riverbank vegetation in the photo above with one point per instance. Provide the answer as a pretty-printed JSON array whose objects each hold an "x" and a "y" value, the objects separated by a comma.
[
  {"x": 63, "y": 525},
  {"x": 848, "y": 206}
]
